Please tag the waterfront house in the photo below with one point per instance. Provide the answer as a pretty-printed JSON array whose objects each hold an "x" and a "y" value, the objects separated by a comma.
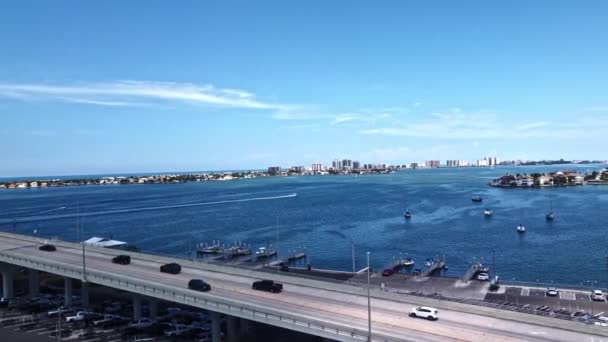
[
  {"x": 2, "y": 186},
  {"x": 22, "y": 185},
  {"x": 545, "y": 181}
]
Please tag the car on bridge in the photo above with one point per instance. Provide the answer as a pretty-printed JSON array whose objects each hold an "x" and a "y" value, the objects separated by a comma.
[
  {"x": 552, "y": 292},
  {"x": 198, "y": 285},
  {"x": 47, "y": 247},
  {"x": 82, "y": 316},
  {"x": 172, "y": 268},
  {"x": 60, "y": 312},
  {"x": 425, "y": 312},
  {"x": 267, "y": 285},
  {"x": 122, "y": 259}
]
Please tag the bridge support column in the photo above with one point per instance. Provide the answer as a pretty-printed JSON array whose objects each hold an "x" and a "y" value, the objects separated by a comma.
[
  {"x": 215, "y": 327},
  {"x": 67, "y": 291},
  {"x": 84, "y": 294},
  {"x": 8, "y": 278},
  {"x": 243, "y": 327},
  {"x": 34, "y": 282},
  {"x": 232, "y": 329},
  {"x": 136, "y": 307},
  {"x": 153, "y": 305}
]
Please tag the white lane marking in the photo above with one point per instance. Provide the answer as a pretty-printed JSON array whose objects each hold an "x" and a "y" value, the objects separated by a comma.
[
  {"x": 567, "y": 295},
  {"x": 525, "y": 291}
]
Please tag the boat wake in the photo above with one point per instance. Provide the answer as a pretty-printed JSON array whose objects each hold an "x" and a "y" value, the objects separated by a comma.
[{"x": 132, "y": 210}]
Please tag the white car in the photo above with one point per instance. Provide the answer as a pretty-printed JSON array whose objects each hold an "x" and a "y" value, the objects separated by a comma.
[
  {"x": 598, "y": 295},
  {"x": 483, "y": 276},
  {"x": 61, "y": 312},
  {"x": 552, "y": 292},
  {"x": 425, "y": 312},
  {"x": 80, "y": 316}
]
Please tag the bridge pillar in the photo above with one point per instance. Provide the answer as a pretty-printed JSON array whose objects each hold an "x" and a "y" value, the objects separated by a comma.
[
  {"x": 136, "y": 307},
  {"x": 232, "y": 329},
  {"x": 84, "y": 294},
  {"x": 34, "y": 282},
  {"x": 67, "y": 291},
  {"x": 215, "y": 327},
  {"x": 243, "y": 327},
  {"x": 153, "y": 305},
  {"x": 8, "y": 278}
]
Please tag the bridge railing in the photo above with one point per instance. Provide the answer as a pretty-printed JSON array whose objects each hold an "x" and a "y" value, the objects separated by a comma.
[{"x": 207, "y": 301}]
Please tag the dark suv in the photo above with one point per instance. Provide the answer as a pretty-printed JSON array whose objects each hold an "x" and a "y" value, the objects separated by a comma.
[
  {"x": 47, "y": 248},
  {"x": 122, "y": 259},
  {"x": 172, "y": 268},
  {"x": 198, "y": 285},
  {"x": 267, "y": 285}
]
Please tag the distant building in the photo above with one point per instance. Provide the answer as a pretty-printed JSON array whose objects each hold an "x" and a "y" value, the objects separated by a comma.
[
  {"x": 274, "y": 169},
  {"x": 432, "y": 163},
  {"x": 317, "y": 167},
  {"x": 356, "y": 165},
  {"x": 347, "y": 164},
  {"x": 336, "y": 164},
  {"x": 297, "y": 169},
  {"x": 414, "y": 165}
]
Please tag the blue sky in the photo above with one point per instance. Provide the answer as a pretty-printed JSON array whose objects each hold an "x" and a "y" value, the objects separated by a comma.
[{"x": 157, "y": 86}]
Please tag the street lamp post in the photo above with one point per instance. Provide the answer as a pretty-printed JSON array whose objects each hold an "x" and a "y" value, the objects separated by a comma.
[
  {"x": 369, "y": 303},
  {"x": 352, "y": 244}
]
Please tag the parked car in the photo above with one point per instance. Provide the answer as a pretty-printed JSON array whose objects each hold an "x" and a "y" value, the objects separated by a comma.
[
  {"x": 80, "y": 316},
  {"x": 425, "y": 312},
  {"x": 267, "y": 285},
  {"x": 388, "y": 272},
  {"x": 552, "y": 292},
  {"x": 198, "y": 285},
  {"x": 4, "y": 302},
  {"x": 173, "y": 268},
  {"x": 598, "y": 295},
  {"x": 122, "y": 259},
  {"x": 483, "y": 276},
  {"x": 47, "y": 247},
  {"x": 110, "y": 320},
  {"x": 142, "y": 323},
  {"x": 60, "y": 312}
]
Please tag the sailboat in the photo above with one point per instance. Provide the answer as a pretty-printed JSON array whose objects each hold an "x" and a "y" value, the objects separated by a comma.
[
  {"x": 550, "y": 216},
  {"x": 521, "y": 228},
  {"x": 487, "y": 212}
]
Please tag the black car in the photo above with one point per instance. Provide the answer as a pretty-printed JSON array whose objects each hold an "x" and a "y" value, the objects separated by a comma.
[
  {"x": 122, "y": 259},
  {"x": 172, "y": 268},
  {"x": 47, "y": 248},
  {"x": 267, "y": 285},
  {"x": 198, "y": 285}
]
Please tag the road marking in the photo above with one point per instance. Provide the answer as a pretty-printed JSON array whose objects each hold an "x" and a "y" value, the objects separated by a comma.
[
  {"x": 35, "y": 330},
  {"x": 567, "y": 295},
  {"x": 91, "y": 340},
  {"x": 525, "y": 291}
]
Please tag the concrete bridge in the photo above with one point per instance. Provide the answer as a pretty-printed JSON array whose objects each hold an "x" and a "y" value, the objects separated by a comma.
[{"x": 336, "y": 311}]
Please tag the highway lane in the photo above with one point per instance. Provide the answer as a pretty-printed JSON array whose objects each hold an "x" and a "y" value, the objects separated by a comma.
[{"x": 338, "y": 307}]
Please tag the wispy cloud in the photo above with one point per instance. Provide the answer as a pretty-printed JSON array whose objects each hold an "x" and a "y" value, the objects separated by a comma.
[
  {"x": 124, "y": 93},
  {"x": 458, "y": 125}
]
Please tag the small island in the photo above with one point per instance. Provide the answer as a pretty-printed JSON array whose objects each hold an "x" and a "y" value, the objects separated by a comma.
[{"x": 552, "y": 179}]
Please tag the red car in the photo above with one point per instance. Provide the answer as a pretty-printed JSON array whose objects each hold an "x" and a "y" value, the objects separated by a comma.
[{"x": 388, "y": 272}]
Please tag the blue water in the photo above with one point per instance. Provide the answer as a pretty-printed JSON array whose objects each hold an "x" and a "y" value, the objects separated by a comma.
[{"x": 330, "y": 211}]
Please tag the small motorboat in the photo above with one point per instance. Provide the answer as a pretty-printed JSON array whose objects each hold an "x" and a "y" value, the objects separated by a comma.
[
  {"x": 521, "y": 229},
  {"x": 477, "y": 198},
  {"x": 550, "y": 216},
  {"x": 407, "y": 215},
  {"x": 487, "y": 212},
  {"x": 408, "y": 262}
]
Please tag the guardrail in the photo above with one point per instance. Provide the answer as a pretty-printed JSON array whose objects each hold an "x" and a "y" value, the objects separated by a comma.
[{"x": 205, "y": 301}]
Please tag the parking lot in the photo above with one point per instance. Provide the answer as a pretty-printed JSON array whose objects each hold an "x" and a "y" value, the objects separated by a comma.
[{"x": 108, "y": 318}]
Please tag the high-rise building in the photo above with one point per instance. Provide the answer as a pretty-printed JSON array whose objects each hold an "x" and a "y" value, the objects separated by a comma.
[
  {"x": 347, "y": 164},
  {"x": 317, "y": 167},
  {"x": 297, "y": 169},
  {"x": 356, "y": 165},
  {"x": 336, "y": 164},
  {"x": 274, "y": 169},
  {"x": 432, "y": 163}
]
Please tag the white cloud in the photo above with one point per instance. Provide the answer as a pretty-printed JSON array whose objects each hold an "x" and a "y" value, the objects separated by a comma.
[
  {"x": 131, "y": 92},
  {"x": 342, "y": 118}
]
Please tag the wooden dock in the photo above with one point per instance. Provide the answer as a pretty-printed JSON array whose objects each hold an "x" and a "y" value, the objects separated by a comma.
[
  {"x": 296, "y": 256},
  {"x": 474, "y": 269},
  {"x": 437, "y": 264}
]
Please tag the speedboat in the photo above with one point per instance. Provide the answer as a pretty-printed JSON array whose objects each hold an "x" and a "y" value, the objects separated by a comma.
[
  {"x": 550, "y": 216},
  {"x": 487, "y": 212},
  {"x": 521, "y": 229},
  {"x": 407, "y": 214},
  {"x": 407, "y": 262},
  {"x": 476, "y": 198},
  {"x": 264, "y": 252}
]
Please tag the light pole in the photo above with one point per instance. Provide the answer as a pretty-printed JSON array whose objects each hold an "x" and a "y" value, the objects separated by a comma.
[
  {"x": 369, "y": 304},
  {"x": 352, "y": 244}
]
